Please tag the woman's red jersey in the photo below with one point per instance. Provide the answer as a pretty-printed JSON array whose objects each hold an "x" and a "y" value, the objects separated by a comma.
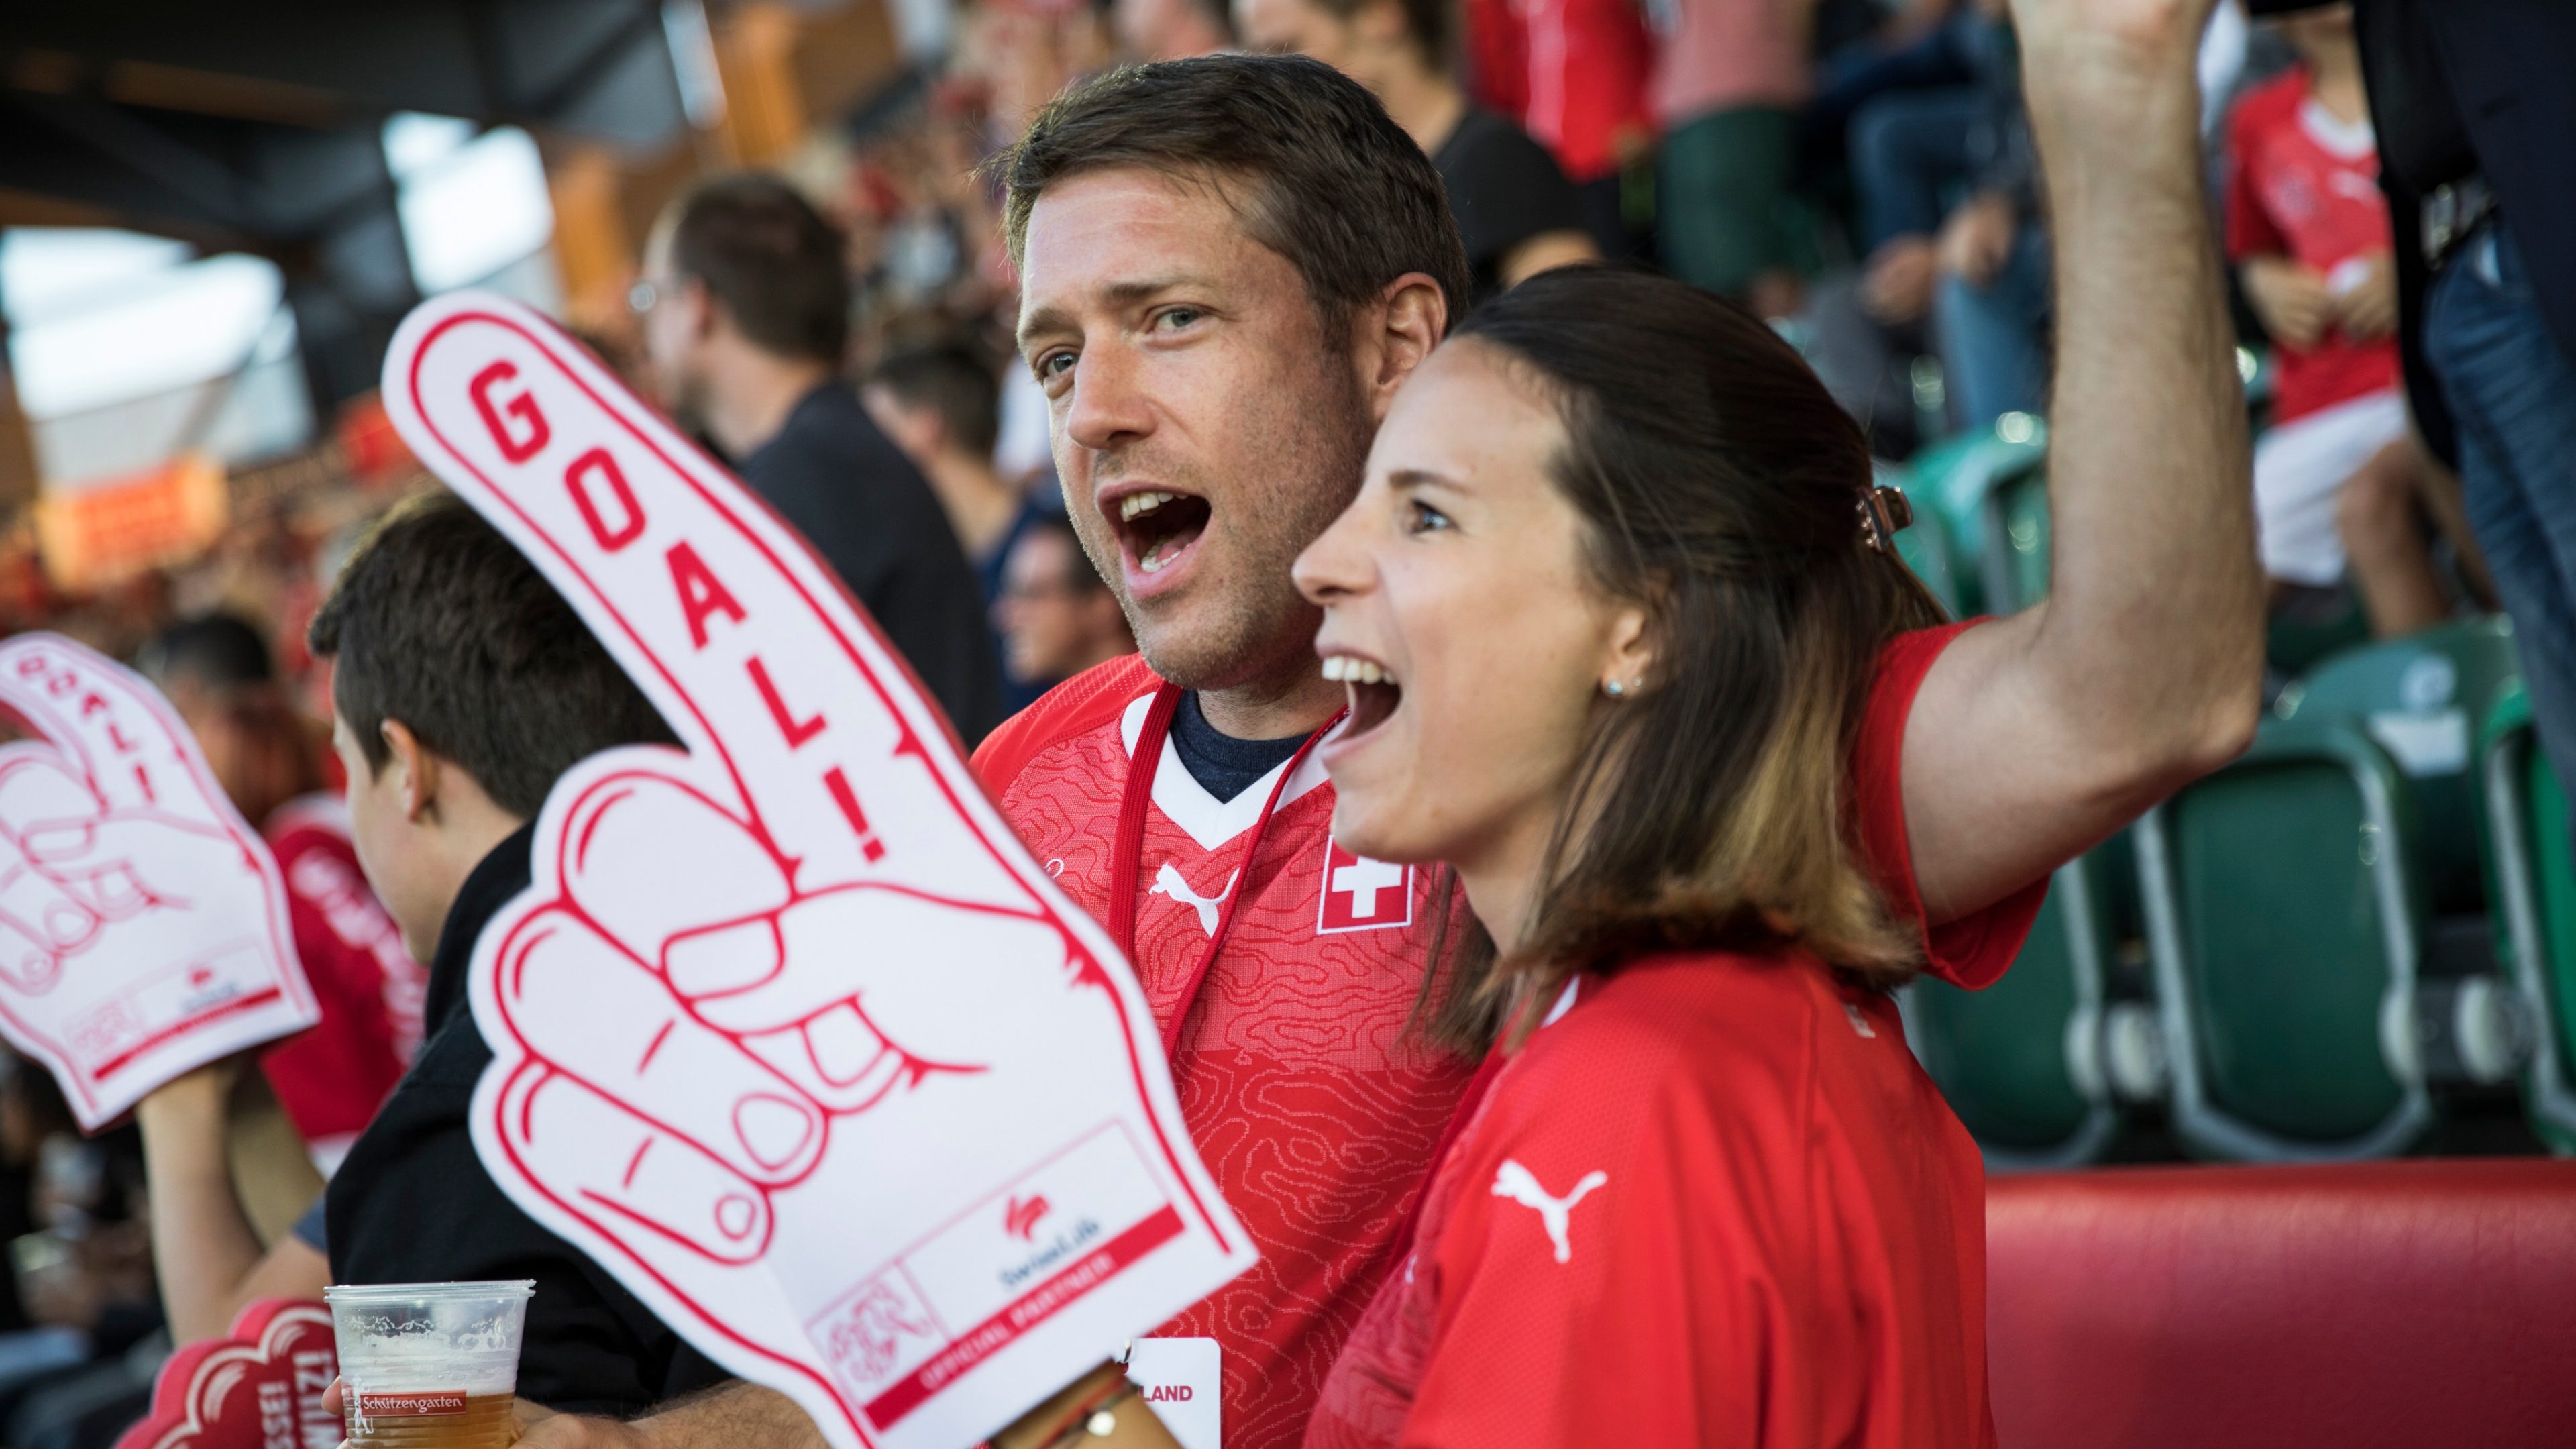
[{"x": 1713, "y": 1201}]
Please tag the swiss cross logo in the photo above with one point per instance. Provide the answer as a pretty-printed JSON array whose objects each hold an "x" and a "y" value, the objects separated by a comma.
[{"x": 1362, "y": 894}]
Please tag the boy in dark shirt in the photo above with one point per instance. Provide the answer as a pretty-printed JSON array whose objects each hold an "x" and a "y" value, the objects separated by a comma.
[{"x": 463, "y": 686}]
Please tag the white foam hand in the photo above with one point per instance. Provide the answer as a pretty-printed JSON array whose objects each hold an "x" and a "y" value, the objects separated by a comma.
[
  {"x": 789, "y": 1032},
  {"x": 142, "y": 923}
]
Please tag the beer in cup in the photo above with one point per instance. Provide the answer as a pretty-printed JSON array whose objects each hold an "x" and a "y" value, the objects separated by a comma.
[{"x": 429, "y": 1365}]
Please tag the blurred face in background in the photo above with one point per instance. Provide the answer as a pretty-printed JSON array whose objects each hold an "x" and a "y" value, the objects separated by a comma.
[
  {"x": 1205, "y": 426},
  {"x": 1301, "y": 27},
  {"x": 672, "y": 316},
  {"x": 1055, "y": 616},
  {"x": 2313, "y": 33},
  {"x": 1165, "y": 29}
]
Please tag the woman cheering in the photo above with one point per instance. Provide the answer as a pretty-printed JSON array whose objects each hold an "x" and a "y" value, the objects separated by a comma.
[{"x": 1630, "y": 650}]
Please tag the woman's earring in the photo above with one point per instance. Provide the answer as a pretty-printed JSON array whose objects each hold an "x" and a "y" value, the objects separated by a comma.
[{"x": 1614, "y": 688}]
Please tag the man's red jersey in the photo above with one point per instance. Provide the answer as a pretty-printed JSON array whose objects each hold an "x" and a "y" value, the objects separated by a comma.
[
  {"x": 332, "y": 1078},
  {"x": 1314, "y": 1109},
  {"x": 1713, "y": 1201}
]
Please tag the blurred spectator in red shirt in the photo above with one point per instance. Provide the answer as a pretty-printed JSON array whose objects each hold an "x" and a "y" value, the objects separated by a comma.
[
  {"x": 2338, "y": 478},
  {"x": 217, "y": 673},
  {"x": 1575, "y": 73}
]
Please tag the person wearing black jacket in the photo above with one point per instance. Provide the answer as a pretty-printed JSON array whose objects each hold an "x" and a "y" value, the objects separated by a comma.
[
  {"x": 2474, "y": 103},
  {"x": 746, "y": 313},
  {"x": 463, "y": 686}
]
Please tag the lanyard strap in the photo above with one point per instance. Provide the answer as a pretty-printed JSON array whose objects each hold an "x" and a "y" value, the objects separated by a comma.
[{"x": 1129, "y": 861}]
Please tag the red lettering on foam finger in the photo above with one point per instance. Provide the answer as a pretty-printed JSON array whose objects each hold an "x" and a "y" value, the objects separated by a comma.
[
  {"x": 597, "y": 463},
  {"x": 523, "y": 406},
  {"x": 702, "y": 594},
  {"x": 848, "y": 799},
  {"x": 797, "y": 731}
]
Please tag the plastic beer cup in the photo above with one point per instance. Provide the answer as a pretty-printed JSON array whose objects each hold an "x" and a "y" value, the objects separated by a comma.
[{"x": 429, "y": 1365}]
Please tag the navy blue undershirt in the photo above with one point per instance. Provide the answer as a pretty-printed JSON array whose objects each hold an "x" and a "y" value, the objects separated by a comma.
[{"x": 1223, "y": 765}]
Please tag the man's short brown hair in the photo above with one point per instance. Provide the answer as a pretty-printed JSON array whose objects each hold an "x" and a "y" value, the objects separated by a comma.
[
  {"x": 770, "y": 259},
  {"x": 437, "y": 621},
  {"x": 1303, "y": 153},
  {"x": 952, "y": 381}
]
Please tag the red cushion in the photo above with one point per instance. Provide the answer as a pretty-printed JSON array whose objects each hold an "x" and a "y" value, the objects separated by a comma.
[{"x": 2392, "y": 1303}]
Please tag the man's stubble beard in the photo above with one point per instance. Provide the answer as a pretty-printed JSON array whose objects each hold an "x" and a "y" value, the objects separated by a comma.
[{"x": 1263, "y": 629}]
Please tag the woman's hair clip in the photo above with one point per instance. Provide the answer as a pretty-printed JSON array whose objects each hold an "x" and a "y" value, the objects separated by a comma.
[{"x": 1883, "y": 512}]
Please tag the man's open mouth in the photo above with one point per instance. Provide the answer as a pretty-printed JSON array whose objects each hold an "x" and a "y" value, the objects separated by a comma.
[
  {"x": 1373, "y": 690},
  {"x": 1156, "y": 527}
]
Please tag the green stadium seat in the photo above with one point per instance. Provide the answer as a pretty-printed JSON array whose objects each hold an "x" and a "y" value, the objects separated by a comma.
[
  {"x": 2533, "y": 872},
  {"x": 2031, "y": 1063},
  {"x": 1925, "y": 544},
  {"x": 2423, "y": 699},
  {"x": 2017, "y": 525},
  {"x": 2291, "y": 904},
  {"x": 1952, "y": 478},
  {"x": 2297, "y": 642}
]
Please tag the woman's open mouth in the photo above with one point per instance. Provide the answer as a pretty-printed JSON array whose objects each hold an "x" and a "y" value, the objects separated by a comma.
[
  {"x": 1373, "y": 689},
  {"x": 1156, "y": 527}
]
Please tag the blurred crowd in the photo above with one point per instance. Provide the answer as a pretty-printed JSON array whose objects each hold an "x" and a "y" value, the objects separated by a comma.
[{"x": 1859, "y": 173}]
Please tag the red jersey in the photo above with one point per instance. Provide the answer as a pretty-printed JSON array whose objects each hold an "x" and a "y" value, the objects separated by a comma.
[
  {"x": 332, "y": 1078},
  {"x": 2305, "y": 186},
  {"x": 1712, "y": 1201},
  {"x": 1590, "y": 62},
  {"x": 1313, "y": 1109}
]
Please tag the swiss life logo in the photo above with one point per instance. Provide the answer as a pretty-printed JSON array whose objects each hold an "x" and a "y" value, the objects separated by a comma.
[
  {"x": 1362, "y": 894},
  {"x": 1020, "y": 1216}
]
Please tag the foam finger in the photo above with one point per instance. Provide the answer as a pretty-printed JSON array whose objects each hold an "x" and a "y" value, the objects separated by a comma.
[
  {"x": 37, "y": 787},
  {"x": 608, "y": 1020},
  {"x": 39, "y": 909},
  {"x": 744, "y": 640},
  {"x": 27, "y": 961},
  {"x": 592, "y": 1154},
  {"x": 895, "y": 956},
  {"x": 134, "y": 752},
  {"x": 646, "y": 858}
]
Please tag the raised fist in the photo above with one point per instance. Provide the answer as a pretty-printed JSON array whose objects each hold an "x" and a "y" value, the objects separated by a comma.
[{"x": 789, "y": 1033}]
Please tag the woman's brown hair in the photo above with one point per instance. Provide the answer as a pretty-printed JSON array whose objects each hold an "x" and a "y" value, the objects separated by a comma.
[{"x": 1723, "y": 489}]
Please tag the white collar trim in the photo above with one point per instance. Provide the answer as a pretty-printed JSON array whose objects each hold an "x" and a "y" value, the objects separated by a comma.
[
  {"x": 2350, "y": 140},
  {"x": 1186, "y": 803},
  {"x": 1564, "y": 1002}
]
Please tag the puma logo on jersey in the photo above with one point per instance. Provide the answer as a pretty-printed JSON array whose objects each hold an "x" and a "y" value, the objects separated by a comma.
[
  {"x": 1518, "y": 1183},
  {"x": 1168, "y": 881}
]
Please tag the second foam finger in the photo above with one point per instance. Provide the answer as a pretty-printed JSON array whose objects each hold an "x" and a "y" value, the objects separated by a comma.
[{"x": 603, "y": 1018}]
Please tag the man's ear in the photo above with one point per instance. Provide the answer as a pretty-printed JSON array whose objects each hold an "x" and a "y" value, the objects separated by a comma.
[
  {"x": 1397, "y": 333},
  {"x": 704, "y": 315},
  {"x": 416, "y": 769}
]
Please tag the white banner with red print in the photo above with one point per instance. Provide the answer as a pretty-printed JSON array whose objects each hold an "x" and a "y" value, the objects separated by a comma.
[
  {"x": 790, "y": 1033},
  {"x": 143, "y": 926}
]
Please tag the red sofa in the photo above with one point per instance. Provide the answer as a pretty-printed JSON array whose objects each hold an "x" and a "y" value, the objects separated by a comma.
[{"x": 2391, "y": 1303}]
